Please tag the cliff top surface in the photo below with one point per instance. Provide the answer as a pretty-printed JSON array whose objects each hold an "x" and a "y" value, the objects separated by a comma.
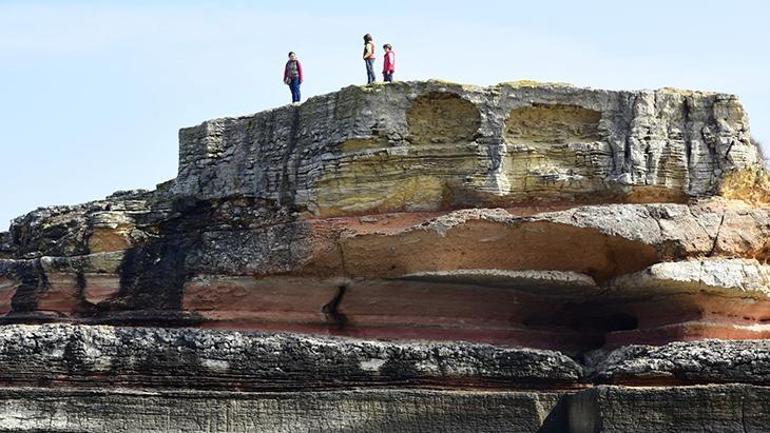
[{"x": 513, "y": 84}]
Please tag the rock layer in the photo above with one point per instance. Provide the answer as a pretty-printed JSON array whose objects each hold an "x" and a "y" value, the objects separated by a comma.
[
  {"x": 712, "y": 408},
  {"x": 707, "y": 361},
  {"x": 30, "y": 410},
  {"x": 225, "y": 360},
  {"x": 644, "y": 273},
  {"x": 433, "y": 145},
  {"x": 62, "y": 378}
]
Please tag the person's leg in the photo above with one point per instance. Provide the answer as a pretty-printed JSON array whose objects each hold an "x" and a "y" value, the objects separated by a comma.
[
  {"x": 388, "y": 77},
  {"x": 295, "y": 95},
  {"x": 374, "y": 74},
  {"x": 370, "y": 77}
]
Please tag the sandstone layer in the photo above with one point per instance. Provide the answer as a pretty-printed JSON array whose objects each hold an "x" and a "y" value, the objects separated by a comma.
[
  {"x": 574, "y": 279},
  {"x": 422, "y": 256}
]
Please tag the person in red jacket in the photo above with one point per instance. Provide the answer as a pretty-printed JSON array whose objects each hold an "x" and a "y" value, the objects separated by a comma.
[
  {"x": 388, "y": 63},
  {"x": 292, "y": 76}
]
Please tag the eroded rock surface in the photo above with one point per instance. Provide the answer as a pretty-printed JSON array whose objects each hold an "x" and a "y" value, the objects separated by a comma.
[
  {"x": 371, "y": 410},
  {"x": 223, "y": 360},
  {"x": 714, "y": 408},
  {"x": 420, "y": 256},
  {"x": 681, "y": 362},
  {"x": 433, "y": 145},
  {"x": 725, "y": 277}
]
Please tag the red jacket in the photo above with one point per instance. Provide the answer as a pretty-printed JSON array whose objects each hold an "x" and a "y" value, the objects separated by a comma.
[
  {"x": 286, "y": 71},
  {"x": 389, "y": 62}
]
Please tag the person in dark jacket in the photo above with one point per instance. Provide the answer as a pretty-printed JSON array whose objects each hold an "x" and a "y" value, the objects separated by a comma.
[
  {"x": 292, "y": 76},
  {"x": 369, "y": 58},
  {"x": 388, "y": 63}
]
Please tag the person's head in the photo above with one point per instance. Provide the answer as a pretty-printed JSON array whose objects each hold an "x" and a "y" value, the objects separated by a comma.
[
  {"x": 387, "y": 47},
  {"x": 367, "y": 38},
  {"x": 292, "y": 55}
]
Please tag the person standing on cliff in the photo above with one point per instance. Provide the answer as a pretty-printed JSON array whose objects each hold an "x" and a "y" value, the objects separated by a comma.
[
  {"x": 388, "y": 63},
  {"x": 369, "y": 58},
  {"x": 292, "y": 76}
]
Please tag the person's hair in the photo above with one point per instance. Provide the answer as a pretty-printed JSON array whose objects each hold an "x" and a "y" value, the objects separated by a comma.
[
  {"x": 387, "y": 46},
  {"x": 367, "y": 38},
  {"x": 292, "y": 52}
]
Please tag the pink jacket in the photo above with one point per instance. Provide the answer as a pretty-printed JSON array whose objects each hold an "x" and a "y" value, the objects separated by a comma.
[
  {"x": 286, "y": 71},
  {"x": 389, "y": 62}
]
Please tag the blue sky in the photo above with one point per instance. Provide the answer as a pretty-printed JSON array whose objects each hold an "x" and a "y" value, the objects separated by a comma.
[{"x": 92, "y": 92}]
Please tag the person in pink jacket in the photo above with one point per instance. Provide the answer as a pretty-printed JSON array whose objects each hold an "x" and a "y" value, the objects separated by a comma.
[
  {"x": 292, "y": 76},
  {"x": 388, "y": 63}
]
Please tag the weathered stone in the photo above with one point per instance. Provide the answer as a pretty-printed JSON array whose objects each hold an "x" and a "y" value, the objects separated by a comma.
[
  {"x": 613, "y": 239},
  {"x": 708, "y": 361},
  {"x": 751, "y": 184},
  {"x": 373, "y": 410},
  {"x": 210, "y": 359},
  {"x": 605, "y": 409},
  {"x": 432, "y": 145},
  {"x": 377, "y": 237},
  {"x": 723, "y": 277},
  {"x": 6, "y": 245},
  {"x": 685, "y": 409},
  {"x": 250, "y": 265},
  {"x": 98, "y": 226}
]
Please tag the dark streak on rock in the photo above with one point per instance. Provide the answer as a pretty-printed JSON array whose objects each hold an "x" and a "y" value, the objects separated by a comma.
[
  {"x": 331, "y": 309},
  {"x": 33, "y": 282}
]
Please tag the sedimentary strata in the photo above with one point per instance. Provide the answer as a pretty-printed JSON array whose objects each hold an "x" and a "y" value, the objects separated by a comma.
[{"x": 422, "y": 256}]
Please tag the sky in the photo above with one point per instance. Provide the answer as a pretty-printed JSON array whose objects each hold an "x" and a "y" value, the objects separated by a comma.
[{"x": 92, "y": 93}]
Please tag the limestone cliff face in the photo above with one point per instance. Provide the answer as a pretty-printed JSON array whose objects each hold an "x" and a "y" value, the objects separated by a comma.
[
  {"x": 413, "y": 257},
  {"x": 434, "y": 145}
]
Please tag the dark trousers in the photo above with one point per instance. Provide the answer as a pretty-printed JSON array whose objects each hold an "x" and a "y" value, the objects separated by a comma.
[
  {"x": 294, "y": 86},
  {"x": 387, "y": 77},
  {"x": 370, "y": 76}
]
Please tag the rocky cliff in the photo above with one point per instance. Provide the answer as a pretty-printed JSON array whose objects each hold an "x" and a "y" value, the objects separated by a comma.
[{"x": 421, "y": 256}]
